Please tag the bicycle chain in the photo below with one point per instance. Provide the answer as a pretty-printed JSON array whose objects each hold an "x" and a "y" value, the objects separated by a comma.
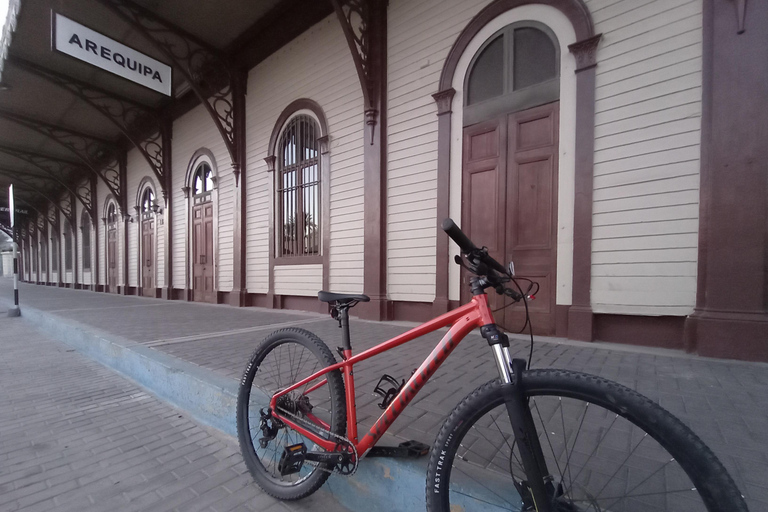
[{"x": 343, "y": 440}]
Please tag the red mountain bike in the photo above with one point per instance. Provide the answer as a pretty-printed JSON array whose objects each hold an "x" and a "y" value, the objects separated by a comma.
[{"x": 533, "y": 439}]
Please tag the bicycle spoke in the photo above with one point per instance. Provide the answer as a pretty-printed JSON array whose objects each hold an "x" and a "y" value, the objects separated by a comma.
[
  {"x": 545, "y": 433},
  {"x": 475, "y": 498},
  {"x": 573, "y": 445}
]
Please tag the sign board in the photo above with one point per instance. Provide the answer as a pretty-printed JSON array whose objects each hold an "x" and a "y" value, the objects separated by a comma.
[
  {"x": 19, "y": 211},
  {"x": 82, "y": 43},
  {"x": 11, "y": 208}
]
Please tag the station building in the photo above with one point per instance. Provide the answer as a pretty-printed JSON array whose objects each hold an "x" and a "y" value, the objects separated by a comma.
[{"x": 254, "y": 153}]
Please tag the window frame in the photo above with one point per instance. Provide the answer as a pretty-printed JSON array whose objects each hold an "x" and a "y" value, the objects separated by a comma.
[
  {"x": 68, "y": 264},
  {"x": 512, "y": 100},
  {"x": 319, "y": 139},
  {"x": 85, "y": 228}
]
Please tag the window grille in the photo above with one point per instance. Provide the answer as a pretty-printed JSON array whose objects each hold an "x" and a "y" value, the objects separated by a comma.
[{"x": 298, "y": 189}]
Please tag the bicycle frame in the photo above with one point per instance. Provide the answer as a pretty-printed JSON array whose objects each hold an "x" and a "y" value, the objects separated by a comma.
[{"x": 462, "y": 320}]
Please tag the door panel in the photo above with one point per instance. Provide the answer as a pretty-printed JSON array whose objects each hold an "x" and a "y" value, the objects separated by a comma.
[
  {"x": 483, "y": 183},
  {"x": 203, "y": 268},
  {"x": 112, "y": 259},
  {"x": 509, "y": 204},
  {"x": 148, "y": 257},
  {"x": 532, "y": 212}
]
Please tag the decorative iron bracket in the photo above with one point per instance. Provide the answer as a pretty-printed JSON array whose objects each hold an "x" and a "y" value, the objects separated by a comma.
[
  {"x": 130, "y": 117},
  {"x": 360, "y": 25},
  {"x": 98, "y": 155},
  {"x": 41, "y": 223},
  {"x": 207, "y": 71},
  {"x": 23, "y": 181},
  {"x": 53, "y": 219},
  {"x": 62, "y": 171}
]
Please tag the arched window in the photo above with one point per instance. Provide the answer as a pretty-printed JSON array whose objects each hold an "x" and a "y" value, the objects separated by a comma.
[
  {"x": 111, "y": 214},
  {"x": 516, "y": 68},
  {"x": 298, "y": 188},
  {"x": 202, "y": 182},
  {"x": 147, "y": 200},
  {"x": 85, "y": 227},
  {"x": 67, "y": 246}
]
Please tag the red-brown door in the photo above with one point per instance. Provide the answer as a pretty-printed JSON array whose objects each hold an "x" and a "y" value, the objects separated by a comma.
[
  {"x": 203, "y": 269},
  {"x": 510, "y": 204},
  {"x": 148, "y": 257},
  {"x": 112, "y": 258}
]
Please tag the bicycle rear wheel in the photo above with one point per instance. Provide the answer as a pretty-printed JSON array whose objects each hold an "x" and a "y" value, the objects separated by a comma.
[
  {"x": 284, "y": 358},
  {"x": 606, "y": 447}
]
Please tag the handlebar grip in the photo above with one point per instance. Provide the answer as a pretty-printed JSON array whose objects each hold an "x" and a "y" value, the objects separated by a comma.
[{"x": 458, "y": 236}]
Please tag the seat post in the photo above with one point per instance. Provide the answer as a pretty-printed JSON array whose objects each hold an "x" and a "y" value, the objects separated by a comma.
[{"x": 346, "y": 344}]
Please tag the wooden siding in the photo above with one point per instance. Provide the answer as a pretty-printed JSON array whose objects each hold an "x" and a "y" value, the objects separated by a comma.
[
  {"x": 137, "y": 170},
  {"x": 647, "y": 149},
  {"x": 193, "y": 131},
  {"x": 304, "y": 280},
  {"x": 420, "y": 36},
  {"x": 317, "y": 65}
]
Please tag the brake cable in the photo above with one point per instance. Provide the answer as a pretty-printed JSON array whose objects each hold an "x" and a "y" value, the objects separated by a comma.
[{"x": 475, "y": 269}]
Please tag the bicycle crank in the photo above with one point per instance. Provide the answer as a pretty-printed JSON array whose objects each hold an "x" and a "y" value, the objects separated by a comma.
[{"x": 294, "y": 456}]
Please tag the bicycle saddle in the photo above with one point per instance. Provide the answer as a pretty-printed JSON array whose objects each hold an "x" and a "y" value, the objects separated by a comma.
[{"x": 341, "y": 298}]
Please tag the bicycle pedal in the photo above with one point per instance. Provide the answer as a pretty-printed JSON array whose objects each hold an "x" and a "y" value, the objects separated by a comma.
[
  {"x": 390, "y": 393},
  {"x": 292, "y": 459},
  {"x": 415, "y": 448}
]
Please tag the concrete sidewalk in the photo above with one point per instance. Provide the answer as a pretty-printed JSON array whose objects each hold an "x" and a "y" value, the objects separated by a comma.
[
  {"x": 725, "y": 402},
  {"x": 75, "y": 436}
]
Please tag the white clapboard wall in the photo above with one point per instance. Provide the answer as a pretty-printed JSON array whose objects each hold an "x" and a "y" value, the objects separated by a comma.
[
  {"x": 191, "y": 132},
  {"x": 647, "y": 149},
  {"x": 317, "y": 65}
]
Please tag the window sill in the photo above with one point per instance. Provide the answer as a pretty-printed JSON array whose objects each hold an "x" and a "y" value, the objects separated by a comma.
[{"x": 298, "y": 260}]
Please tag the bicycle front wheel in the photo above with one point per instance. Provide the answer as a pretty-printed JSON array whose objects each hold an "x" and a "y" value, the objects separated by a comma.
[
  {"x": 284, "y": 358},
  {"x": 606, "y": 448}
]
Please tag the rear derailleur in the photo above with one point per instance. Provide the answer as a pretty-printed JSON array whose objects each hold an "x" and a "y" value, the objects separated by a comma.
[{"x": 269, "y": 427}]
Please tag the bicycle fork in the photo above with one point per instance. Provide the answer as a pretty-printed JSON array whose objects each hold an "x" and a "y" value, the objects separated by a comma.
[{"x": 538, "y": 490}]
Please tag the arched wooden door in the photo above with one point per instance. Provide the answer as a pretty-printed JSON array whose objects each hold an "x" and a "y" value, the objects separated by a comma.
[
  {"x": 203, "y": 257},
  {"x": 147, "y": 206},
  {"x": 112, "y": 249},
  {"x": 510, "y": 164}
]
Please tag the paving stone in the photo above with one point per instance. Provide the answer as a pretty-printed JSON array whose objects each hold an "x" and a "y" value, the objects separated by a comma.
[{"x": 65, "y": 452}]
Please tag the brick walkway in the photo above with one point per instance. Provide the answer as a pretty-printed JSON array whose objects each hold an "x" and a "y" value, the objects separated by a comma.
[
  {"x": 75, "y": 436},
  {"x": 725, "y": 402}
]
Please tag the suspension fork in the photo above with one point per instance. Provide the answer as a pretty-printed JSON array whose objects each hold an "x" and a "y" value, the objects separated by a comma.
[{"x": 538, "y": 479}]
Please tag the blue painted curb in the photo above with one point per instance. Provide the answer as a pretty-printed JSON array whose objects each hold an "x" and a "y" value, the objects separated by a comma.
[{"x": 379, "y": 485}]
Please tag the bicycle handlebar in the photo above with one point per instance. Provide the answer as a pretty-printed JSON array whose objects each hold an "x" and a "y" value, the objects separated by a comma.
[
  {"x": 469, "y": 248},
  {"x": 458, "y": 236}
]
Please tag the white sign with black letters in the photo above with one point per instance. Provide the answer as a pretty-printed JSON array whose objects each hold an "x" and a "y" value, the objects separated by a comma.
[{"x": 84, "y": 44}]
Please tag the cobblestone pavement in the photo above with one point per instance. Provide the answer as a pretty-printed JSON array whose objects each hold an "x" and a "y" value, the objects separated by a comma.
[
  {"x": 724, "y": 402},
  {"x": 74, "y": 436}
]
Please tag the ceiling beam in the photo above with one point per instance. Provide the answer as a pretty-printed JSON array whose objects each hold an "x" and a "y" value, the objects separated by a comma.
[
  {"x": 129, "y": 116},
  {"x": 66, "y": 210},
  {"x": 99, "y": 156},
  {"x": 68, "y": 174},
  {"x": 208, "y": 71}
]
